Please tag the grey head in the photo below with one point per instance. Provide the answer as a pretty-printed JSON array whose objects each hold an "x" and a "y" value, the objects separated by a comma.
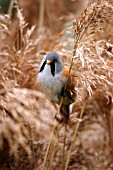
[{"x": 53, "y": 59}]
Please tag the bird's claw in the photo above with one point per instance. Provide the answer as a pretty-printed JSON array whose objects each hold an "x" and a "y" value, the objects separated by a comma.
[{"x": 61, "y": 118}]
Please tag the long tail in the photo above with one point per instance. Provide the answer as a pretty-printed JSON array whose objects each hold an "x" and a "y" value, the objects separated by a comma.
[{"x": 65, "y": 112}]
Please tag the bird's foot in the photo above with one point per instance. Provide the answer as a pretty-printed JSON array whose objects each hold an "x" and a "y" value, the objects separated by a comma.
[{"x": 61, "y": 118}]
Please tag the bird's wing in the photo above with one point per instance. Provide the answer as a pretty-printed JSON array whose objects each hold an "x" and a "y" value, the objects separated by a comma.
[{"x": 71, "y": 80}]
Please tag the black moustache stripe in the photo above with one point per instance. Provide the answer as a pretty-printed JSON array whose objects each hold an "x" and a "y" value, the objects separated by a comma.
[
  {"x": 52, "y": 65},
  {"x": 42, "y": 67}
]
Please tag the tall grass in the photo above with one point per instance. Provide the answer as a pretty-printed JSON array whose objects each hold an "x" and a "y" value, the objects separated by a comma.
[{"x": 27, "y": 117}]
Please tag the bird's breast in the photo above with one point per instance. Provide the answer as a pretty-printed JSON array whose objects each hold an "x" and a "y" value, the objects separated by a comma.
[{"x": 52, "y": 85}]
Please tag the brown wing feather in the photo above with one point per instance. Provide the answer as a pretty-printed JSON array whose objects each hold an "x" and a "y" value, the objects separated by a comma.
[
  {"x": 69, "y": 93},
  {"x": 68, "y": 96},
  {"x": 71, "y": 81}
]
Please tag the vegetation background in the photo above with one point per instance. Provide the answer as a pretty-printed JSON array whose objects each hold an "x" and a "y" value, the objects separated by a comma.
[{"x": 27, "y": 117}]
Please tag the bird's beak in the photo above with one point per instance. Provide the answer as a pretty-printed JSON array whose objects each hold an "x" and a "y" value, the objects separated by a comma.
[{"x": 48, "y": 62}]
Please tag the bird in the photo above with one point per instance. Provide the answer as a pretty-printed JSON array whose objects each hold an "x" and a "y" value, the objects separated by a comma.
[{"x": 52, "y": 77}]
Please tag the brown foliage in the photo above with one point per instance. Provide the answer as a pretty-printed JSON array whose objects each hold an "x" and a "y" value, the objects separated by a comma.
[
  {"x": 27, "y": 117},
  {"x": 53, "y": 10}
]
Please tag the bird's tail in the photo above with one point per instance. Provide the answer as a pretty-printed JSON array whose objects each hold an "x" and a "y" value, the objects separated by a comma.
[
  {"x": 65, "y": 112},
  {"x": 66, "y": 107}
]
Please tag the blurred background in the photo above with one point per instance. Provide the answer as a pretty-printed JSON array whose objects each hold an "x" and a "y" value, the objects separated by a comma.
[
  {"x": 49, "y": 17},
  {"x": 28, "y": 30}
]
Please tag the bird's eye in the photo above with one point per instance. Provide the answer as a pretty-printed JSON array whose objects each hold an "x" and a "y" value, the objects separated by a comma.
[{"x": 42, "y": 67}]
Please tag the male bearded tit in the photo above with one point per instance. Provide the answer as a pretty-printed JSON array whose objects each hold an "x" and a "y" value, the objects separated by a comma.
[{"x": 52, "y": 77}]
